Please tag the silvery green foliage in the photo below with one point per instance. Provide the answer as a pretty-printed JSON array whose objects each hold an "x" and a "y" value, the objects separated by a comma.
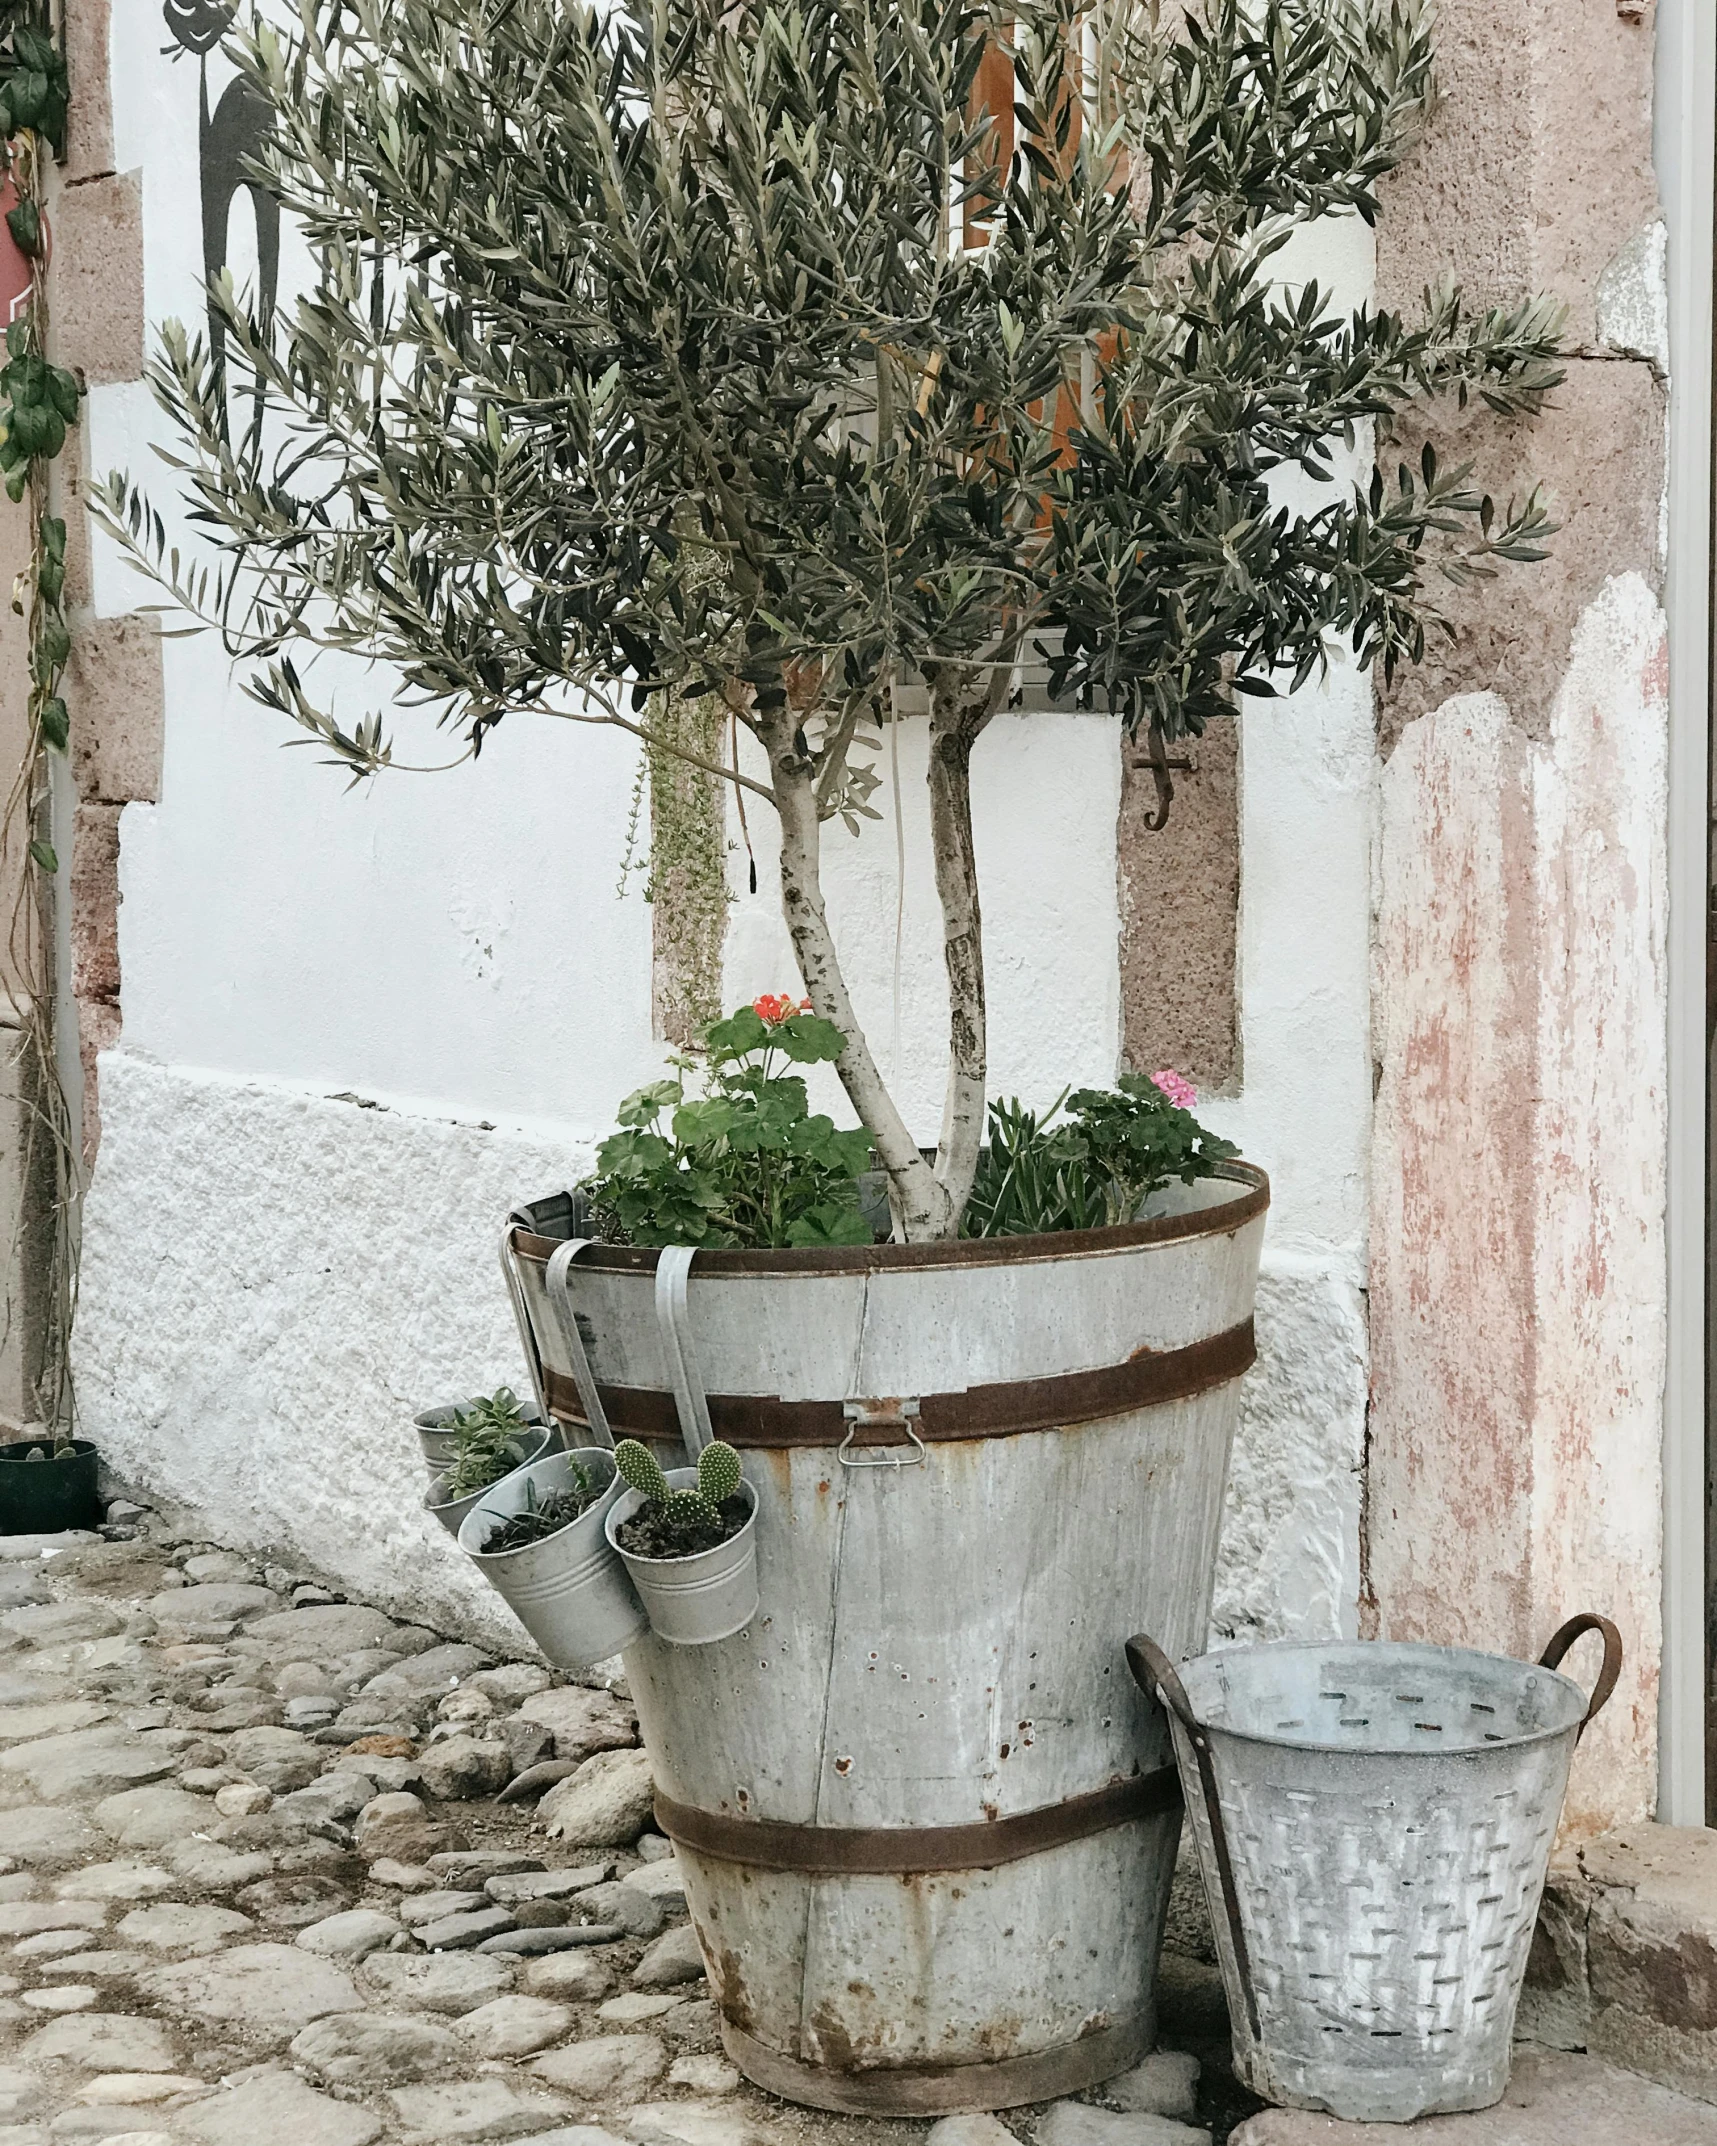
[
  {"x": 600, "y": 295},
  {"x": 732, "y": 347}
]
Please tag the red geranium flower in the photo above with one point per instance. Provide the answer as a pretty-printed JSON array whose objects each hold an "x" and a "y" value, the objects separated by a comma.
[{"x": 772, "y": 1009}]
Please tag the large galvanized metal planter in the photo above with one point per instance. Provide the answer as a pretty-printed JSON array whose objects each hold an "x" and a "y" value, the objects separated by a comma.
[
  {"x": 927, "y": 1821},
  {"x": 1373, "y": 1822}
]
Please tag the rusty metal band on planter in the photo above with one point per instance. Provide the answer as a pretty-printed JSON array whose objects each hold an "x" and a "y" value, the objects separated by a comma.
[
  {"x": 902, "y": 1851},
  {"x": 1146, "y": 1380}
]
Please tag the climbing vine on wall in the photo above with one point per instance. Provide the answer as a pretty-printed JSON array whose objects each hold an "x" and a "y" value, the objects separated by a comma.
[{"x": 38, "y": 405}]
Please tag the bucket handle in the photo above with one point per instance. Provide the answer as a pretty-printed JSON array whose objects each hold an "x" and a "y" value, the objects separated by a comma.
[
  {"x": 595, "y": 1415},
  {"x": 1156, "y": 1677},
  {"x": 673, "y": 1322},
  {"x": 522, "y": 1319},
  {"x": 1565, "y": 1637}
]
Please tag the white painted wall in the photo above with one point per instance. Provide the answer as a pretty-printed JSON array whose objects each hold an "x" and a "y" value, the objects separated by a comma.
[{"x": 274, "y": 1280}]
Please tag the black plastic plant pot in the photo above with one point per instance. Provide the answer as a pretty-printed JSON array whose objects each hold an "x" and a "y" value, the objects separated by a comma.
[{"x": 47, "y": 1496}]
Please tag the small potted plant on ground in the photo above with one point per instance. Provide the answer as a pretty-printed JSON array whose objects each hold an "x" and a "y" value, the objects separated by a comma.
[
  {"x": 537, "y": 1538},
  {"x": 491, "y": 1437},
  {"x": 689, "y": 1540},
  {"x": 48, "y": 1483}
]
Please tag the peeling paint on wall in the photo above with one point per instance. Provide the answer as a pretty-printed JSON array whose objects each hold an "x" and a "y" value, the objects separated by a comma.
[
  {"x": 1518, "y": 1281},
  {"x": 1633, "y": 298}
]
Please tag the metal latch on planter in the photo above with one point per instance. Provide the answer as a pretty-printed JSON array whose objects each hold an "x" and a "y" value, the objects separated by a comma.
[{"x": 886, "y": 1412}]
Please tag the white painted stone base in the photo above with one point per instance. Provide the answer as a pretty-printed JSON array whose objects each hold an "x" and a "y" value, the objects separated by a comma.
[
  {"x": 1289, "y": 1565},
  {"x": 273, "y": 1284}
]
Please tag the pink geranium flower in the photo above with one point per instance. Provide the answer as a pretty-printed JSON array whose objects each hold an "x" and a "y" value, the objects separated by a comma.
[{"x": 1180, "y": 1092}]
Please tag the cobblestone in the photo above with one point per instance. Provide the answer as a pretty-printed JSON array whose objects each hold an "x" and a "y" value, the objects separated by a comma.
[{"x": 217, "y": 1929}]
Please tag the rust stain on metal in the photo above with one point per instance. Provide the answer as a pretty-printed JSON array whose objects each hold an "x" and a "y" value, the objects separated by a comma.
[
  {"x": 1000, "y": 2037},
  {"x": 732, "y": 1999},
  {"x": 834, "y": 2043}
]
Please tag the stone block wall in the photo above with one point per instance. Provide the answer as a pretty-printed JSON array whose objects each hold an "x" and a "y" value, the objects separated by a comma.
[
  {"x": 1624, "y": 1961},
  {"x": 113, "y": 684}
]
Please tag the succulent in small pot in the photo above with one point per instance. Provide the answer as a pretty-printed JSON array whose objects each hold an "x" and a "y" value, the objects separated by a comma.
[
  {"x": 48, "y": 1484},
  {"x": 490, "y": 1441},
  {"x": 689, "y": 1540},
  {"x": 538, "y": 1538},
  {"x": 441, "y": 1430}
]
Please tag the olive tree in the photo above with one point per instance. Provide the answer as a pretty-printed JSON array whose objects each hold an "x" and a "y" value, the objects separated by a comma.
[{"x": 757, "y": 349}]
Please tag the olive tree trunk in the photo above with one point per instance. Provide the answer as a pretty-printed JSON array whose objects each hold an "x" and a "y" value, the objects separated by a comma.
[{"x": 927, "y": 1200}]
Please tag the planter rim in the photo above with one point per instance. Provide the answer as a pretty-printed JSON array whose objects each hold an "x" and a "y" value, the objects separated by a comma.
[
  {"x": 1409, "y": 1653},
  {"x": 637, "y": 1557},
  {"x": 500, "y": 1557},
  {"x": 433, "y": 1504},
  {"x": 714, "y": 1264},
  {"x": 421, "y": 1421},
  {"x": 16, "y": 1450}
]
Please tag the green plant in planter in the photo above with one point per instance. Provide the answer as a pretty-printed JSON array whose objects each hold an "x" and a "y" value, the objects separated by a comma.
[
  {"x": 739, "y": 350},
  {"x": 746, "y": 1163},
  {"x": 491, "y": 1439},
  {"x": 540, "y": 1517},
  {"x": 679, "y": 1523},
  {"x": 1097, "y": 1167}
]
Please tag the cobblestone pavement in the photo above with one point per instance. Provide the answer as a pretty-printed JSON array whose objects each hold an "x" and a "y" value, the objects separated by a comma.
[{"x": 276, "y": 1870}]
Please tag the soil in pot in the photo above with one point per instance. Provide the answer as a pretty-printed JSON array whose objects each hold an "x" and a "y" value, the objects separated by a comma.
[
  {"x": 659, "y": 1531},
  {"x": 543, "y": 1518}
]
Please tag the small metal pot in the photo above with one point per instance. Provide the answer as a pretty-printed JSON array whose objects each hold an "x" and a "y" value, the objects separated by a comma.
[
  {"x": 451, "y": 1511},
  {"x": 707, "y": 1596},
  {"x": 440, "y": 1441},
  {"x": 569, "y": 1591},
  {"x": 47, "y": 1496}
]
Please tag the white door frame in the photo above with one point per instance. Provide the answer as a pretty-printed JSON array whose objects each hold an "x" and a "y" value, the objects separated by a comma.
[{"x": 1686, "y": 146}]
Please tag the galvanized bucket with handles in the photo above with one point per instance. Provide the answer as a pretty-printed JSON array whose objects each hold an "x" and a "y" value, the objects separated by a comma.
[{"x": 1373, "y": 1824}]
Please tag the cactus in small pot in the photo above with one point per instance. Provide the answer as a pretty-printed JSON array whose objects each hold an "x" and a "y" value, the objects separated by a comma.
[{"x": 680, "y": 1523}]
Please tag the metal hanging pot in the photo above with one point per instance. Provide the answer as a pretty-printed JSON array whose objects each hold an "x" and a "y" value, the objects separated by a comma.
[
  {"x": 533, "y": 1445},
  {"x": 570, "y": 1590},
  {"x": 1373, "y": 1824},
  {"x": 693, "y": 1600},
  {"x": 439, "y": 1438}
]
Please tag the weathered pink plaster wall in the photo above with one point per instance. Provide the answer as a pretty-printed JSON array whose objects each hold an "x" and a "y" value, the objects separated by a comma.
[
  {"x": 1517, "y": 1268},
  {"x": 1517, "y": 1273}
]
